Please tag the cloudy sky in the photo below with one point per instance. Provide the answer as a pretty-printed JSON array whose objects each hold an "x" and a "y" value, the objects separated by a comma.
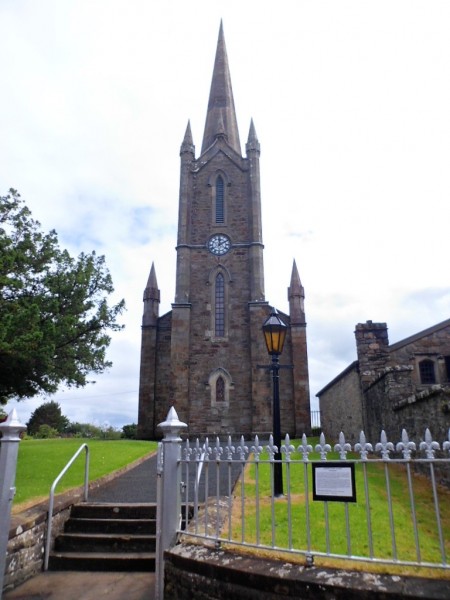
[{"x": 350, "y": 101}]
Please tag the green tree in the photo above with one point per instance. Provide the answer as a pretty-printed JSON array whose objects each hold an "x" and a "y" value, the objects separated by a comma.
[
  {"x": 48, "y": 414},
  {"x": 83, "y": 430},
  {"x": 129, "y": 431},
  {"x": 54, "y": 314},
  {"x": 46, "y": 432}
]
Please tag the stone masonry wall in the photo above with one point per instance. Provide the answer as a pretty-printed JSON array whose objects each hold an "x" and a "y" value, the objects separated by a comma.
[
  {"x": 341, "y": 408},
  {"x": 25, "y": 551},
  {"x": 202, "y": 573},
  {"x": 393, "y": 404}
]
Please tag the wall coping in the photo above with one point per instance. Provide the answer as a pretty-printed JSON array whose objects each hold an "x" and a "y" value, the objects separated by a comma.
[{"x": 269, "y": 575}]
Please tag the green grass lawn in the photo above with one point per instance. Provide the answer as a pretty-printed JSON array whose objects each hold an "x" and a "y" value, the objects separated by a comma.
[
  {"x": 41, "y": 461},
  {"x": 258, "y": 516}
]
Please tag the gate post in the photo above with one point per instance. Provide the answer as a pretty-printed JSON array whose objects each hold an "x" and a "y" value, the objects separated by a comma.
[
  {"x": 9, "y": 447},
  {"x": 168, "y": 493}
]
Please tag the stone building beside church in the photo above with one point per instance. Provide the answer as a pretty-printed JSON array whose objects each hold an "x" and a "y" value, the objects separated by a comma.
[
  {"x": 207, "y": 355},
  {"x": 390, "y": 387}
]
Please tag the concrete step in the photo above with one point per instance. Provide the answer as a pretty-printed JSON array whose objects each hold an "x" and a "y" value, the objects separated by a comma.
[
  {"x": 107, "y": 537},
  {"x": 104, "y": 542},
  {"x": 133, "y": 526},
  {"x": 88, "y": 510},
  {"x": 102, "y": 561}
]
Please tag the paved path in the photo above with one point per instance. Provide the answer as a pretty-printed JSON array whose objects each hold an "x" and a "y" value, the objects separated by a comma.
[
  {"x": 139, "y": 484},
  {"x": 78, "y": 585},
  {"x": 136, "y": 485}
]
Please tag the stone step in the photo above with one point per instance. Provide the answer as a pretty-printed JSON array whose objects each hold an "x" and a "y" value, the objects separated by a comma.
[
  {"x": 104, "y": 542},
  {"x": 91, "y": 510},
  {"x": 107, "y": 537},
  {"x": 133, "y": 526},
  {"x": 102, "y": 561}
]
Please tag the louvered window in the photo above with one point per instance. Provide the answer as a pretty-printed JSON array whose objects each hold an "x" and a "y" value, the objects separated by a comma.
[{"x": 220, "y": 215}]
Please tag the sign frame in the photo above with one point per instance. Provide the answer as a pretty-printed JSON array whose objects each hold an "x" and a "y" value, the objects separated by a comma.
[{"x": 339, "y": 486}]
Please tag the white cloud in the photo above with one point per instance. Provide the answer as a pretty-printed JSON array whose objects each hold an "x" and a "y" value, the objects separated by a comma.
[{"x": 350, "y": 102}]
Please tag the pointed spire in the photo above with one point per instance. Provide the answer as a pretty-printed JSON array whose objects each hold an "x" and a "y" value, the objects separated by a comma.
[
  {"x": 152, "y": 283},
  {"x": 252, "y": 142},
  {"x": 296, "y": 287},
  {"x": 187, "y": 145},
  {"x": 221, "y": 114},
  {"x": 296, "y": 297},
  {"x": 151, "y": 299}
]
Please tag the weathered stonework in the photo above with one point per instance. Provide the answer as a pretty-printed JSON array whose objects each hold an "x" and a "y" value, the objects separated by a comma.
[
  {"x": 25, "y": 552},
  {"x": 383, "y": 390},
  {"x": 183, "y": 355},
  {"x": 193, "y": 571}
]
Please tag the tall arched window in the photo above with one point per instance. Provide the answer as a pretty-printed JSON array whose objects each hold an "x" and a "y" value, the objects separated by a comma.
[
  {"x": 220, "y": 306},
  {"x": 220, "y": 214},
  {"x": 221, "y": 386},
  {"x": 220, "y": 389}
]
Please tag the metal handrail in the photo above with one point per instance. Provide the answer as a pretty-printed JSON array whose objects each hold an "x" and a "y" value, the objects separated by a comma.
[{"x": 52, "y": 497}]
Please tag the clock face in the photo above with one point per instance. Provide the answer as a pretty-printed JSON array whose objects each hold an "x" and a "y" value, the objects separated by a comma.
[{"x": 219, "y": 244}]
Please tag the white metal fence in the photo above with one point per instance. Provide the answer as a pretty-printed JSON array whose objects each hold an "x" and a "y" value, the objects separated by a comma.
[{"x": 381, "y": 502}]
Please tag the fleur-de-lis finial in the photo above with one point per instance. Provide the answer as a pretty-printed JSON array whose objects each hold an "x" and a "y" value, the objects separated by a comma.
[
  {"x": 197, "y": 451},
  {"x": 405, "y": 446},
  {"x": 343, "y": 447},
  {"x": 446, "y": 444},
  {"x": 322, "y": 447},
  {"x": 429, "y": 445},
  {"x": 271, "y": 449},
  {"x": 257, "y": 449},
  {"x": 242, "y": 449},
  {"x": 229, "y": 449},
  {"x": 287, "y": 448},
  {"x": 206, "y": 450},
  {"x": 187, "y": 451},
  {"x": 305, "y": 449},
  {"x": 363, "y": 447},
  {"x": 217, "y": 450},
  {"x": 384, "y": 446}
]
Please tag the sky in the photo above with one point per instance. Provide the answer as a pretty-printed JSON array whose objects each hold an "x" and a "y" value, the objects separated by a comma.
[{"x": 350, "y": 101}]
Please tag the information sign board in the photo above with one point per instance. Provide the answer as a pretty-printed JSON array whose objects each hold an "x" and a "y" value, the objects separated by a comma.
[{"x": 334, "y": 481}]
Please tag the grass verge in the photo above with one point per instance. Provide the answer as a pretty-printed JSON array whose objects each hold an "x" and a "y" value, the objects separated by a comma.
[
  {"x": 41, "y": 461},
  {"x": 338, "y": 528}
]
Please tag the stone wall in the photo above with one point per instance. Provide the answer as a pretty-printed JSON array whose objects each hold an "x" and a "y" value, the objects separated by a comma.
[
  {"x": 341, "y": 407},
  {"x": 25, "y": 552},
  {"x": 202, "y": 573}
]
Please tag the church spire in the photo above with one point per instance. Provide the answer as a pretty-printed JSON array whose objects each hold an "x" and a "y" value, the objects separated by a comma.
[{"x": 221, "y": 115}]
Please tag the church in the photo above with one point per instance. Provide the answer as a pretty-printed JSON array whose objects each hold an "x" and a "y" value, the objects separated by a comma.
[{"x": 207, "y": 357}]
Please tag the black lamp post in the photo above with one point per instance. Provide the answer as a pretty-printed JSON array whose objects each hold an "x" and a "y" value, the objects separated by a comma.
[{"x": 275, "y": 334}]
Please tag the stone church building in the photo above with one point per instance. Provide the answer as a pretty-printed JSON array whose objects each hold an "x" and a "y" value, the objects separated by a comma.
[
  {"x": 390, "y": 387},
  {"x": 207, "y": 356}
]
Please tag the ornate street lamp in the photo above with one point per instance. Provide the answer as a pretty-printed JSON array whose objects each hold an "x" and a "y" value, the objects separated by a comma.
[{"x": 275, "y": 334}]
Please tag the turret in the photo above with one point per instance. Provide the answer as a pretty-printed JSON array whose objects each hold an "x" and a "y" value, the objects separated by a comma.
[
  {"x": 296, "y": 297},
  {"x": 151, "y": 300}
]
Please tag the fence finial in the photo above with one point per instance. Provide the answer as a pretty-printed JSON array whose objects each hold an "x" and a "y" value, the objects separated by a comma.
[{"x": 172, "y": 425}]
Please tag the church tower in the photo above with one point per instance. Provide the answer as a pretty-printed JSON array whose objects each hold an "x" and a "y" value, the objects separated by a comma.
[{"x": 205, "y": 356}]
